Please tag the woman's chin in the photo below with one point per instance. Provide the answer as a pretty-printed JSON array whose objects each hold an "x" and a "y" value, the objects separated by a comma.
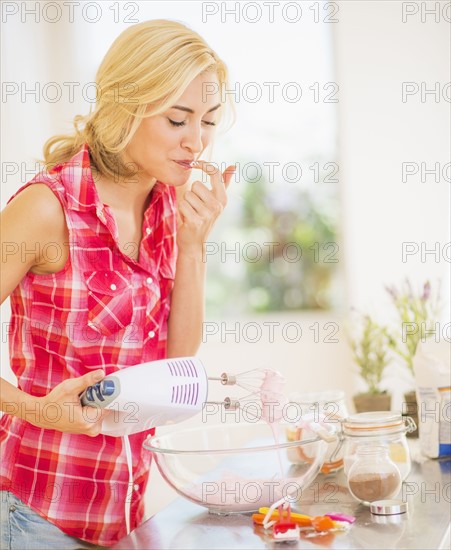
[{"x": 176, "y": 180}]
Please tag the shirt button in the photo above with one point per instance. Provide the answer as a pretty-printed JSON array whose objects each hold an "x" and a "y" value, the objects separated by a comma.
[
  {"x": 12, "y": 508},
  {"x": 151, "y": 334},
  {"x": 136, "y": 487},
  {"x": 113, "y": 286},
  {"x": 148, "y": 230},
  {"x": 149, "y": 280}
]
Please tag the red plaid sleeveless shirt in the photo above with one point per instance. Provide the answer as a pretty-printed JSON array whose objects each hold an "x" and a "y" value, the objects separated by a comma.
[{"x": 102, "y": 310}]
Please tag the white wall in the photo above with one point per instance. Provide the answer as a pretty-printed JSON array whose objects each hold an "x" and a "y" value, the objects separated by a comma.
[{"x": 375, "y": 53}]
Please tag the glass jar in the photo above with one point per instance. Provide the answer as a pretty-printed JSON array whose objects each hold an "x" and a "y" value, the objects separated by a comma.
[
  {"x": 384, "y": 428},
  {"x": 373, "y": 476},
  {"x": 327, "y": 407}
]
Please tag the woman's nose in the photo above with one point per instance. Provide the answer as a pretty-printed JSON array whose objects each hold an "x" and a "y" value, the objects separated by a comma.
[{"x": 192, "y": 140}]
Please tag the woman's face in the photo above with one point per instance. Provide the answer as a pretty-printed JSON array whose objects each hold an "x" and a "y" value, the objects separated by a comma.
[{"x": 179, "y": 134}]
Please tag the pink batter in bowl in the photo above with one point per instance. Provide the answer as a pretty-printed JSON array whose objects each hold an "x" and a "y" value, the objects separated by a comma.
[{"x": 236, "y": 468}]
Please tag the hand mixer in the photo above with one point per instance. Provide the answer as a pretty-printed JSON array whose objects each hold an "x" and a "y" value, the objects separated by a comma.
[{"x": 168, "y": 391}]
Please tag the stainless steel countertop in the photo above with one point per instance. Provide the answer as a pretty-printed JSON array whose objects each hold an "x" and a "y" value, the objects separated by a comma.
[{"x": 183, "y": 525}]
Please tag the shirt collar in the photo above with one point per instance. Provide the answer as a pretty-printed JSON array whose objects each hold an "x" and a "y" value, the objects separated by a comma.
[{"x": 81, "y": 193}]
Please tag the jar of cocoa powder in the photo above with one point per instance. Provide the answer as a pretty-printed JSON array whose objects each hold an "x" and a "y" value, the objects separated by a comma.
[
  {"x": 383, "y": 428},
  {"x": 373, "y": 476}
]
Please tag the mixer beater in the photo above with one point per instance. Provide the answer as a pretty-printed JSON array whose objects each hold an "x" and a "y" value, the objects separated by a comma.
[{"x": 265, "y": 387}]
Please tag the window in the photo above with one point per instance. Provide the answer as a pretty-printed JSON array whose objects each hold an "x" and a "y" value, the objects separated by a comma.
[{"x": 275, "y": 247}]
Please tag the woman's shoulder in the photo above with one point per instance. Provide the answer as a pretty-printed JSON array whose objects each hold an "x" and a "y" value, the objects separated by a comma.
[
  {"x": 38, "y": 200},
  {"x": 39, "y": 209},
  {"x": 31, "y": 220}
]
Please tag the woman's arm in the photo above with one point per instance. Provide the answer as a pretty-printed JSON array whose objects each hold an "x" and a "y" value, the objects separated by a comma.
[
  {"x": 187, "y": 306},
  {"x": 28, "y": 223},
  {"x": 32, "y": 220},
  {"x": 199, "y": 209}
]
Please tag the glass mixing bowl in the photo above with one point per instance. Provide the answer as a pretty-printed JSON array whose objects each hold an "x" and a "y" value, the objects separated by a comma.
[{"x": 236, "y": 468}]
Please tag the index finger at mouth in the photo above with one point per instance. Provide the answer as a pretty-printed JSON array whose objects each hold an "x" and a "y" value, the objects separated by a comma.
[{"x": 215, "y": 175}]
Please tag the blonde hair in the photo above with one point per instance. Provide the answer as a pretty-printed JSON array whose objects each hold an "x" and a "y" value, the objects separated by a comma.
[{"x": 144, "y": 72}]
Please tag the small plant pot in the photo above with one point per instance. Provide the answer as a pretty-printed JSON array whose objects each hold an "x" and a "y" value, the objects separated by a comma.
[
  {"x": 410, "y": 408},
  {"x": 367, "y": 402}
]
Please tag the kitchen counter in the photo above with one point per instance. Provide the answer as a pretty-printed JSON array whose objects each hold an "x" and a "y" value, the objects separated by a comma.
[{"x": 426, "y": 525}]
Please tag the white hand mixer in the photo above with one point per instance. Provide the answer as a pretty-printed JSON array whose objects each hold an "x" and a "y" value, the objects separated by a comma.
[{"x": 168, "y": 391}]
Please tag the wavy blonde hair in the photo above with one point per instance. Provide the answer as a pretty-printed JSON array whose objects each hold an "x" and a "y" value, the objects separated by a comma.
[{"x": 144, "y": 72}]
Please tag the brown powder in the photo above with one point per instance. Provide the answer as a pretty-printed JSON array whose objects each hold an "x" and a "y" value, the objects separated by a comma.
[{"x": 371, "y": 487}]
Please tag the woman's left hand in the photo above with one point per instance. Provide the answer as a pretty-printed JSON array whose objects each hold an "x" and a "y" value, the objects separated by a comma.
[{"x": 200, "y": 207}]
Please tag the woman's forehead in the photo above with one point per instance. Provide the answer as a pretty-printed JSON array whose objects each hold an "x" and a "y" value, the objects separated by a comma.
[{"x": 204, "y": 86}]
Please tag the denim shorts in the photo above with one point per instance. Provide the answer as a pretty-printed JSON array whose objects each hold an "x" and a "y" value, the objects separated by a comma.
[{"x": 23, "y": 529}]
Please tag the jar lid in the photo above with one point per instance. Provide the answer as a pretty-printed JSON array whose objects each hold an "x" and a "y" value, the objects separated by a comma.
[
  {"x": 388, "y": 507},
  {"x": 390, "y": 520},
  {"x": 377, "y": 419}
]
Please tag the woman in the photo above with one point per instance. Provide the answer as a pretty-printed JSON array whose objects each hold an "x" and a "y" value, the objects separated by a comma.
[{"x": 116, "y": 279}]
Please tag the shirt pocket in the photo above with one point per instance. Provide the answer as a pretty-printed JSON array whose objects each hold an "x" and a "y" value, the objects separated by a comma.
[{"x": 110, "y": 300}]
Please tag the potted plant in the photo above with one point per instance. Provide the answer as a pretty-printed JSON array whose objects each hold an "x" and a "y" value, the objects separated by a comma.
[
  {"x": 370, "y": 347},
  {"x": 417, "y": 314}
]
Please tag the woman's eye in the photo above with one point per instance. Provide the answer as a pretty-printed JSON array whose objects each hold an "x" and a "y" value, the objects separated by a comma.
[{"x": 174, "y": 123}]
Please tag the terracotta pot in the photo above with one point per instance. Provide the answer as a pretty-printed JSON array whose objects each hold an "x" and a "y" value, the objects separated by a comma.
[
  {"x": 367, "y": 402},
  {"x": 410, "y": 408}
]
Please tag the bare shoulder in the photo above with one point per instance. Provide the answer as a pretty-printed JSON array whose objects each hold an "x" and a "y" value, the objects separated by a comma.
[
  {"x": 37, "y": 203},
  {"x": 30, "y": 222}
]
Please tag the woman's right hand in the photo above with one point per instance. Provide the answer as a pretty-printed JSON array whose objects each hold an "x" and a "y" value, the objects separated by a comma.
[{"x": 62, "y": 410}]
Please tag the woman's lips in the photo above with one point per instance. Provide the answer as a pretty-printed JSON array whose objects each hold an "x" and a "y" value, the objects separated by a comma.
[{"x": 185, "y": 164}]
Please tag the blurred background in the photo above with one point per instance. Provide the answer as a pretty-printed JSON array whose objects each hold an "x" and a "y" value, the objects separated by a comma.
[{"x": 342, "y": 148}]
